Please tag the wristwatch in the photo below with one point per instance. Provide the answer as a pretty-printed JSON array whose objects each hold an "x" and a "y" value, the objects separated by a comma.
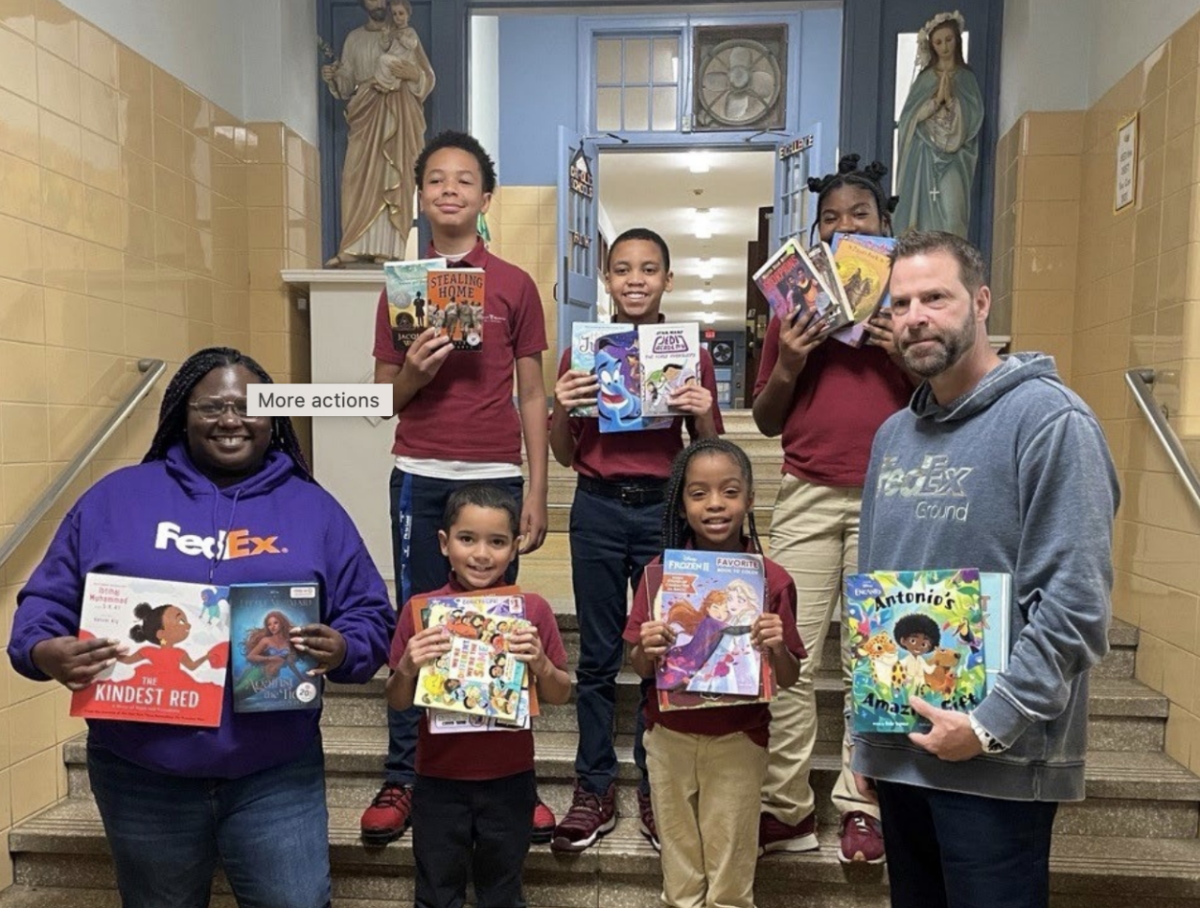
[{"x": 990, "y": 743}]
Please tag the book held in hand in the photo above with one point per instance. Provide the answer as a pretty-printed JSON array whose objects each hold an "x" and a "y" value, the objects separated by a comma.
[
  {"x": 914, "y": 634},
  {"x": 670, "y": 361},
  {"x": 456, "y": 303},
  {"x": 864, "y": 268},
  {"x": 268, "y": 673},
  {"x": 176, "y": 642},
  {"x": 618, "y": 368},
  {"x": 791, "y": 282},
  {"x": 584, "y": 337},
  {"x": 407, "y": 287}
]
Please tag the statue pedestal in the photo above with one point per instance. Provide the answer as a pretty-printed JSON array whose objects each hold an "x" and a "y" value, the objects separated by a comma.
[{"x": 352, "y": 456}]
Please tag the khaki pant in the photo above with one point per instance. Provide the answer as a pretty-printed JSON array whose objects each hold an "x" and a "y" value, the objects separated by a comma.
[
  {"x": 814, "y": 535},
  {"x": 704, "y": 790}
]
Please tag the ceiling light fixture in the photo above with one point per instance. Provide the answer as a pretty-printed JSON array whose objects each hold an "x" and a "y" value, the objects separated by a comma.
[
  {"x": 703, "y": 223},
  {"x": 706, "y": 297},
  {"x": 699, "y": 162},
  {"x": 706, "y": 271}
]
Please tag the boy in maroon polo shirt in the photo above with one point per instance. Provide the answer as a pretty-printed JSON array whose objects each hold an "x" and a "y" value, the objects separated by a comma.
[
  {"x": 457, "y": 422},
  {"x": 474, "y": 791},
  {"x": 616, "y": 528}
]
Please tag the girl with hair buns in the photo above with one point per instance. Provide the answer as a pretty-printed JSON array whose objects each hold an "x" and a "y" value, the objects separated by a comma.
[
  {"x": 221, "y": 498},
  {"x": 827, "y": 400}
]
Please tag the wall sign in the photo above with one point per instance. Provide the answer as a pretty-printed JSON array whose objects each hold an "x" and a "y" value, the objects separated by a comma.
[{"x": 1127, "y": 153}]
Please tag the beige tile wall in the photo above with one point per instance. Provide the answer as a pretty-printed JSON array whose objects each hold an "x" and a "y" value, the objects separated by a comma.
[
  {"x": 1123, "y": 288},
  {"x": 523, "y": 223},
  {"x": 136, "y": 219}
]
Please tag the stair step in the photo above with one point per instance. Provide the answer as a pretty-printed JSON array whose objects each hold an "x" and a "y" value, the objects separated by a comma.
[{"x": 623, "y": 869}]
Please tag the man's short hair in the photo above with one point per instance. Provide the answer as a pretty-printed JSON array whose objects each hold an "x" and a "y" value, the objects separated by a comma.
[{"x": 972, "y": 270}]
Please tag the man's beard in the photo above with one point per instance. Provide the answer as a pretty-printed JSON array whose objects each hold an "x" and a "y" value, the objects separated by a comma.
[{"x": 947, "y": 349}]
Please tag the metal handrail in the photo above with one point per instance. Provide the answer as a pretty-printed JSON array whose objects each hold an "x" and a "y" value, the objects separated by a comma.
[
  {"x": 152, "y": 370},
  {"x": 1139, "y": 381}
]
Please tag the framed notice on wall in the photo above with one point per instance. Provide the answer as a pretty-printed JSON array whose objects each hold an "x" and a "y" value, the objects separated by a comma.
[{"x": 1127, "y": 151}]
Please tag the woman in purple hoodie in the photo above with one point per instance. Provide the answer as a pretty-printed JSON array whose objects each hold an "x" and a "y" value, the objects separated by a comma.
[{"x": 220, "y": 498}]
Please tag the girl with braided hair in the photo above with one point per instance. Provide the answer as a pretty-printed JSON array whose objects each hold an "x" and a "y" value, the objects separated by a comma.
[
  {"x": 826, "y": 400},
  {"x": 221, "y": 498},
  {"x": 707, "y": 765}
]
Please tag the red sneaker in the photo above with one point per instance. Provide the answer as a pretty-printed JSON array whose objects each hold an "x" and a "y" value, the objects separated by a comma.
[
  {"x": 775, "y": 835},
  {"x": 647, "y": 825},
  {"x": 590, "y": 817},
  {"x": 389, "y": 814},
  {"x": 862, "y": 839},
  {"x": 543, "y": 823}
]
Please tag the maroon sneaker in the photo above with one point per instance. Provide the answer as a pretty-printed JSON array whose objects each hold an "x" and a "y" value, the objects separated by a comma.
[
  {"x": 646, "y": 813},
  {"x": 862, "y": 839},
  {"x": 543, "y": 823},
  {"x": 590, "y": 817},
  {"x": 389, "y": 814},
  {"x": 775, "y": 835}
]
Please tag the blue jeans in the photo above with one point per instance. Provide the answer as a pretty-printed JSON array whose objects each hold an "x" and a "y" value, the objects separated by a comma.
[
  {"x": 611, "y": 542},
  {"x": 951, "y": 850},
  {"x": 269, "y": 830},
  {"x": 418, "y": 504}
]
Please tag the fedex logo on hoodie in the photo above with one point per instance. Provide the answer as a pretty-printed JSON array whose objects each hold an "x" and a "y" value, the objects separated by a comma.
[{"x": 235, "y": 544}]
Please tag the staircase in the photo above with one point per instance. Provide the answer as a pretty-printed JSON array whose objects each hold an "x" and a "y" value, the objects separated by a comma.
[{"x": 1132, "y": 843}]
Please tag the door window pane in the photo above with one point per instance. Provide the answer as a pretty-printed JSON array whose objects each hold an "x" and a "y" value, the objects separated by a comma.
[
  {"x": 608, "y": 109},
  {"x": 608, "y": 61}
]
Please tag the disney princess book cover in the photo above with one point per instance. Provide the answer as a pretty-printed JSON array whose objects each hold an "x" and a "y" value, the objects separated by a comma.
[
  {"x": 914, "y": 634},
  {"x": 175, "y": 638},
  {"x": 269, "y": 674}
]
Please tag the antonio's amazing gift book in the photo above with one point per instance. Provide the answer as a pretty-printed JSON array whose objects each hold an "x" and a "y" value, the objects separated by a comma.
[
  {"x": 268, "y": 673},
  {"x": 176, "y": 637},
  {"x": 914, "y": 634}
]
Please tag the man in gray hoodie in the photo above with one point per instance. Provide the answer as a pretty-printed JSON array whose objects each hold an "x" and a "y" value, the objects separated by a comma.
[{"x": 994, "y": 465}]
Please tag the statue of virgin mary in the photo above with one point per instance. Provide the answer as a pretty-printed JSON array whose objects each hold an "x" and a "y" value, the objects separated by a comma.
[{"x": 939, "y": 133}]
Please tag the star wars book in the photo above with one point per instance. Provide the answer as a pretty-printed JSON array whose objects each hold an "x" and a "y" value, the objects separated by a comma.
[
  {"x": 670, "y": 356},
  {"x": 478, "y": 676},
  {"x": 864, "y": 267},
  {"x": 407, "y": 287},
  {"x": 914, "y": 634},
  {"x": 269, "y": 674},
  {"x": 618, "y": 367},
  {"x": 791, "y": 282},
  {"x": 175, "y": 638},
  {"x": 711, "y": 601},
  {"x": 456, "y": 301},
  {"x": 584, "y": 337}
]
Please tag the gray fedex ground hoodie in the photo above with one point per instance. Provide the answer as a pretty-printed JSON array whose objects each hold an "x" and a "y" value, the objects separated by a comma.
[{"x": 1013, "y": 476}]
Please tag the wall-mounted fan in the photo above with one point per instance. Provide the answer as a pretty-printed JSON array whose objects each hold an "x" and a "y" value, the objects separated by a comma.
[{"x": 740, "y": 77}]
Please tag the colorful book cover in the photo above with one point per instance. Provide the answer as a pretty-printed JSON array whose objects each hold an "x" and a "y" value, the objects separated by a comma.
[
  {"x": 176, "y": 637},
  {"x": 442, "y": 722},
  {"x": 914, "y": 633},
  {"x": 268, "y": 674},
  {"x": 478, "y": 676},
  {"x": 670, "y": 361},
  {"x": 790, "y": 281},
  {"x": 821, "y": 257},
  {"x": 711, "y": 600},
  {"x": 456, "y": 301},
  {"x": 618, "y": 368},
  {"x": 864, "y": 267},
  {"x": 584, "y": 336},
  {"x": 407, "y": 288}
]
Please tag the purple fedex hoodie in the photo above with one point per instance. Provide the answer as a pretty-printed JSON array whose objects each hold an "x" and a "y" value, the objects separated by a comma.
[{"x": 166, "y": 520}]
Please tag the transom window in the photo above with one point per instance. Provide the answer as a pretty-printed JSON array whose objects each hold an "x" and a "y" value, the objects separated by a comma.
[{"x": 637, "y": 83}]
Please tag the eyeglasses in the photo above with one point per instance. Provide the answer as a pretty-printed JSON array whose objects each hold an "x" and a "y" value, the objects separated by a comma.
[{"x": 215, "y": 407}]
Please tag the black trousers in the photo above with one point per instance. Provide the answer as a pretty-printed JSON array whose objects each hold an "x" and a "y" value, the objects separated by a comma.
[
  {"x": 950, "y": 850},
  {"x": 475, "y": 829}
]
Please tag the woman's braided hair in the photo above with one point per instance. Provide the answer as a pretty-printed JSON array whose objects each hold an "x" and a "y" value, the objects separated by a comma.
[
  {"x": 172, "y": 416},
  {"x": 676, "y": 531},
  {"x": 869, "y": 178}
]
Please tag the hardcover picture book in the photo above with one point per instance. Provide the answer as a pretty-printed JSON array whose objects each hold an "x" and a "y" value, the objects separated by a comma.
[
  {"x": 478, "y": 676},
  {"x": 790, "y": 281},
  {"x": 995, "y": 597},
  {"x": 711, "y": 600},
  {"x": 407, "y": 289},
  {"x": 584, "y": 336},
  {"x": 268, "y": 674},
  {"x": 618, "y": 367},
  {"x": 670, "y": 357},
  {"x": 914, "y": 633},
  {"x": 456, "y": 303},
  {"x": 177, "y": 641},
  {"x": 864, "y": 267}
]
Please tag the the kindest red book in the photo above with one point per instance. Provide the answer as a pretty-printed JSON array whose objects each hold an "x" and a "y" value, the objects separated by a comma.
[{"x": 176, "y": 637}]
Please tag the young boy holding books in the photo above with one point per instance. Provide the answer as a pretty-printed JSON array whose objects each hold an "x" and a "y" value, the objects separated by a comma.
[
  {"x": 616, "y": 528},
  {"x": 446, "y": 410},
  {"x": 474, "y": 791},
  {"x": 827, "y": 400},
  {"x": 707, "y": 764}
]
